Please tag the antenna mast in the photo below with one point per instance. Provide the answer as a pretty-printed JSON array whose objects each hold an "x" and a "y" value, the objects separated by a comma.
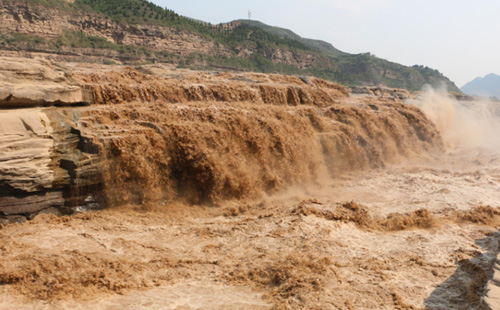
[{"x": 249, "y": 14}]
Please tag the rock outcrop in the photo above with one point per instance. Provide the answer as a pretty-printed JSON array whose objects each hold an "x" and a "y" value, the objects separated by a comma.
[
  {"x": 50, "y": 22},
  {"x": 44, "y": 162},
  {"x": 287, "y": 57},
  {"x": 37, "y": 83},
  {"x": 395, "y": 93},
  {"x": 26, "y": 147}
]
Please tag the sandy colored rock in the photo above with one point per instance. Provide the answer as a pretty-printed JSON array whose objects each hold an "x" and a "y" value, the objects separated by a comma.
[
  {"x": 25, "y": 151},
  {"x": 50, "y": 23},
  {"x": 381, "y": 92},
  {"x": 36, "y": 82},
  {"x": 31, "y": 95}
]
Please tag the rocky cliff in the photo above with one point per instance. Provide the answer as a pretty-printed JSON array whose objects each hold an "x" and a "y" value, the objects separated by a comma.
[
  {"x": 113, "y": 135},
  {"x": 51, "y": 22}
]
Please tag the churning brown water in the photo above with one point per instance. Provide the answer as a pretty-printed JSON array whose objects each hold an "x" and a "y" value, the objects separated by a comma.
[{"x": 363, "y": 204}]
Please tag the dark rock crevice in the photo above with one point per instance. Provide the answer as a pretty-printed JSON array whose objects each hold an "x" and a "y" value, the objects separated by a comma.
[{"x": 75, "y": 165}]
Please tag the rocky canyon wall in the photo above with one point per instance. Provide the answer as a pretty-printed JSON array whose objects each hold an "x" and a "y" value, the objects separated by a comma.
[{"x": 52, "y": 23}]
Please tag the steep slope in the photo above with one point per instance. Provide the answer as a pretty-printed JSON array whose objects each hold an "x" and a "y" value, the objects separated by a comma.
[
  {"x": 483, "y": 86},
  {"x": 132, "y": 31},
  {"x": 322, "y": 46}
]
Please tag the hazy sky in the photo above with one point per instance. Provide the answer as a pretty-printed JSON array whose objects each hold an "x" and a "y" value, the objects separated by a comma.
[{"x": 460, "y": 38}]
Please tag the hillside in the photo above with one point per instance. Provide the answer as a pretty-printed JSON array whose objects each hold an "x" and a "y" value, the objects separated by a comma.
[
  {"x": 483, "y": 86},
  {"x": 322, "y": 46},
  {"x": 137, "y": 31}
]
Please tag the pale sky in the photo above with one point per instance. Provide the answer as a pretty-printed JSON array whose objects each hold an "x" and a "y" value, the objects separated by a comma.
[{"x": 460, "y": 38}]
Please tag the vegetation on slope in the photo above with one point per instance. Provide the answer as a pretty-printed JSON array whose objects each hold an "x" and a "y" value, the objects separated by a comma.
[
  {"x": 76, "y": 42},
  {"x": 319, "y": 45},
  {"x": 367, "y": 68}
]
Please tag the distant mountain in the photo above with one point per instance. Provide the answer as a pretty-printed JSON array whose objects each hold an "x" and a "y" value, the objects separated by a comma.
[
  {"x": 138, "y": 31},
  {"x": 483, "y": 86}
]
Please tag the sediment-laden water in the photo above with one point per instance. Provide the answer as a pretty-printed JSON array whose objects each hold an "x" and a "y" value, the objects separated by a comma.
[{"x": 362, "y": 204}]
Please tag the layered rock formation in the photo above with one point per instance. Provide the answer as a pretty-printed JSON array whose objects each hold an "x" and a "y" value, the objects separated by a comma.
[
  {"x": 292, "y": 58},
  {"x": 395, "y": 93},
  {"x": 37, "y": 83},
  {"x": 44, "y": 162},
  {"x": 38, "y": 147},
  {"x": 27, "y": 166},
  {"x": 50, "y": 23},
  {"x": 154, "y": 133}
]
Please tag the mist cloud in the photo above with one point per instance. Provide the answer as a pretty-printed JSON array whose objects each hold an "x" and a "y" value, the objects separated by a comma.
[{"x": 470, "y": 124}]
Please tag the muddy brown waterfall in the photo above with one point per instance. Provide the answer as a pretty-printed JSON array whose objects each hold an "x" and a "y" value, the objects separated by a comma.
[
  {"x": 155, "y": 134},
  {"x": 258, "y": 136},
  {"x": 286, "y": 192}
]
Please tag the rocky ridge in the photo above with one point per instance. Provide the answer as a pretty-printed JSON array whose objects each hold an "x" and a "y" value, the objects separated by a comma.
[
  {"x": 47, "y": 22},
  {"x": 34, "y": 20}
]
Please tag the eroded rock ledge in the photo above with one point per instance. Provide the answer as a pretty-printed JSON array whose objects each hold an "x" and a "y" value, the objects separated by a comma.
[
  {"x": 85, "y": 135},
  {"x": 381, "y": 92},
  {"x": 43, "y": 163},
  {"x": 29, "y": 82}
]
